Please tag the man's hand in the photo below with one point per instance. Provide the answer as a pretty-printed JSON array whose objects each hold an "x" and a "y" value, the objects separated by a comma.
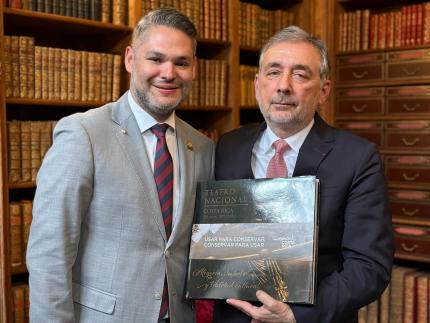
[{"x": 271, "y": 311}]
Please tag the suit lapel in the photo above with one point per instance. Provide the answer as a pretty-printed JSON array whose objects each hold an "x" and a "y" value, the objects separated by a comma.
[
  {"x": 315, "y": 148},
  {"x": 131, "y": 141},
  {"x": 186, "y": 163}
]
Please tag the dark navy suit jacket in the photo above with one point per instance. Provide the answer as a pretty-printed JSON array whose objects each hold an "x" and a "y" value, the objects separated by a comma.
[{"x": 356, "y": 247}]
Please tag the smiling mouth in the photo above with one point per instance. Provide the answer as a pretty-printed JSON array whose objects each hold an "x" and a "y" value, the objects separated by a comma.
[{"x": 167, "y": 88}]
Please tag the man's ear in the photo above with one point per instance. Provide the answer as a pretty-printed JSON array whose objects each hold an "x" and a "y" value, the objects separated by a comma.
[
  {"x": 128, "y": 59},
  {"x": 194, "y": 66},
  {"x": 325, "y": 92}
]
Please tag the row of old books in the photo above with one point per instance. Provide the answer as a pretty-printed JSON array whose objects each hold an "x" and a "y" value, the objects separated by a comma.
[
  {"x": 363, "y": 30},
  {"x": 405, "y": 300},
  {"x": 257, "y": 25},
  {"x": 246, "y": 79},
  {"x": 21, "y": 303},
  {"x": 209, "y": 87},
  {"x": 28, "y": 142},
  {"x": 20, "y": 213},
  {"x": 109, "y": 11},
  {"x": 37, "y": 72},
  {"x": 209, "y": 16}
]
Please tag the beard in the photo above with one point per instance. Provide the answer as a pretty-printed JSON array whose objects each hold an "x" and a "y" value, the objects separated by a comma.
[
  {"x": 293, "y": 118},
  {"x": 150, "y": 103}
]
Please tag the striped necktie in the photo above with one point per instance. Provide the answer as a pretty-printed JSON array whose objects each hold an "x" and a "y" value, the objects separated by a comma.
[
  {"x": 163, "y": 175},
  {"x": 277, "y": 166}
]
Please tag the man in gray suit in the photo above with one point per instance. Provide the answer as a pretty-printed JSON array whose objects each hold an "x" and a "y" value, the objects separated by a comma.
[{"x": 99, "y": 250}]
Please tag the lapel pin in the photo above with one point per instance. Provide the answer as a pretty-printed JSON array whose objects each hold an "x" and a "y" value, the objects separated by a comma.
[
  {"x": 190, "y": 145},
  {"x": 124, "y": 131}
]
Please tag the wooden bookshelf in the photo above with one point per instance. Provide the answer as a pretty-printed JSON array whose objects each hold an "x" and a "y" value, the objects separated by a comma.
[
  {"x": 382, "y": 81},
  {"x": 58, "y": 31}
]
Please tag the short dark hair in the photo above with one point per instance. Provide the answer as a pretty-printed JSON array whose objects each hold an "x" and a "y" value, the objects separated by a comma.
[
  {"x": 296, "y": 34},
  {"x": 169, "y": 17}
]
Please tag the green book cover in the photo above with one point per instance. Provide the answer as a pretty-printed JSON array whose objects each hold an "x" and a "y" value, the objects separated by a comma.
[{"x": 255, "y": 234}]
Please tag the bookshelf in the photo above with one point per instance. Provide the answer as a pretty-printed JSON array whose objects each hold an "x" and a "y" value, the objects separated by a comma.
[
  {"x": 46, "y": 89},
  {"x": 220, "y": 54},
  {"x": 382, "y": 93}
]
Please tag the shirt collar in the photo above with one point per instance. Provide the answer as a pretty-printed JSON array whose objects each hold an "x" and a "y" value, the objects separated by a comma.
[
  {"x": 144, "y": 120},
  {"x": 295, "y": 141}
]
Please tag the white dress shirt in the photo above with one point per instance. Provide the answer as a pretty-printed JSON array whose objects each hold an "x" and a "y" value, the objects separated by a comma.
[
  {"x": 145, "y": 121},
  {"x": 263, "y": 150}
]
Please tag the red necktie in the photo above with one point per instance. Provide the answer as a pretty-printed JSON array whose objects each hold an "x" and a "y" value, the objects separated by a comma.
[
  {"x": 277, "y": 166},
  {"x": 163, "y": 175}
]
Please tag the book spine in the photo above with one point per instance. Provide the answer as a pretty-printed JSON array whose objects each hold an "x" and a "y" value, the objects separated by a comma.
[
  {"x": 14, "y": 144},
  {"x": 25, "y": 151},
  {"x": 30, "y": 67},
  {"x": 116, "y": 77},
  {"x": 84, "y": 76},
  {"x": 35, "y": 148},
  {"x": 15, "y": 59},
  {"x": 51, "y": 73},
  {"x": 64, "y": 74},
  {"x": 45, "y": 73},
  {"x": 91, "y": 76},
  {"x": 106, "y": 10},
  {"x": 77, "y": 90},
  {"x": 15, "y": 234},
  {"x": 57, "y": 73},
  {"x": 18, "y": 301},
  {"x": 45, "y": 138},
  {"x": 26, "y": 207},
  {"x": 70, "y": 74},
  {"x": 7, "y": 66},
  {"x": 109, "y": 77},
  {"x": 97, "y": 76}
]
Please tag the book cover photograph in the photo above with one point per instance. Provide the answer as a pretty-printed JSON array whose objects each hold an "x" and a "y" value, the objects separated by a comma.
[{"x": 253, "y": 234}]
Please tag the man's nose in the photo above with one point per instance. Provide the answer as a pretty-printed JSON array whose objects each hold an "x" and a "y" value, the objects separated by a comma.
[
  {"x": 168, "y": 71},
  {"x": 284, "y": 83}
]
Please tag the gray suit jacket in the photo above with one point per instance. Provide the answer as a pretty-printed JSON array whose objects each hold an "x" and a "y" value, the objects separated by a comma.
[{"x": 97, "y": 250}]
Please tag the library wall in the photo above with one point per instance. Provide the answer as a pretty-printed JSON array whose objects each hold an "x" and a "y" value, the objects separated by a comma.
[
  {"x": 54, "y": 52},
  {"x": 382, "y": 94}
]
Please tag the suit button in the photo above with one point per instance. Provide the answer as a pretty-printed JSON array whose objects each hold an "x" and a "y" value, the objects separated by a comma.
[
  {"x": 167, "y": 253},
  {"x": 157, "y": 295}
]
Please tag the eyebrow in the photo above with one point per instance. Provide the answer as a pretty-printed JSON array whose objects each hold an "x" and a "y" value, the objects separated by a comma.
[
  {"x": 161, "y": 55},
  {"x": 297, "y": 67}
]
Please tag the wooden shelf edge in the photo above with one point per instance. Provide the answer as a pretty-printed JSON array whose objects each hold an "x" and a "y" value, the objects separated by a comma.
[
  {"x": 391, "y": 117},
  {"x": 14, "y": 186},
  {"x": 60, "y": 19},
  {"x": 249, "y": 107},
  {"x": 19, "y": 101},
  {"x": 22, "y": 269},
  {"x": 205, "y": 108},
  {"x": 382, "y": 83},
  {"x": 423, "y": 223},
  {"x": 401, "y": 256}
]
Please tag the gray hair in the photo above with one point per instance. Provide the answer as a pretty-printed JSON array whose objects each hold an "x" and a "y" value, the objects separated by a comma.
[
  {"x": 169, "y": 17},
  {"x": 296, "y": 34}
]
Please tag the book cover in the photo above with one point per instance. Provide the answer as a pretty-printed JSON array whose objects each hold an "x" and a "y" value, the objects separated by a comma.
[{"x": 251, "y": 235}]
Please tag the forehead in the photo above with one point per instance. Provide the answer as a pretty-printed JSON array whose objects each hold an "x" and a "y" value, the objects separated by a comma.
[
  {"x": 288, "y": 54},
  {"x": 162, "y": 38}
]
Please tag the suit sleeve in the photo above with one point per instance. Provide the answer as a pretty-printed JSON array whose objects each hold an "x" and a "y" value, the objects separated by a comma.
[
  {"x": 366, "y": 247},
  {"x": 64, "y": 190}
]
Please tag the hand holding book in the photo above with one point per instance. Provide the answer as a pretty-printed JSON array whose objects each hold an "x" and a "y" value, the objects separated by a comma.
[{"x": 271, "y": 309}]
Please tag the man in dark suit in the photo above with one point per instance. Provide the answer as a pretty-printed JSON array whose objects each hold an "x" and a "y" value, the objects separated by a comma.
[{"x": 356, "y": 247}]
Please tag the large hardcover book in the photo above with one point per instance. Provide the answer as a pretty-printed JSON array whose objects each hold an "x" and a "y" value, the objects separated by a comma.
[{"x": 251, "y": 235}]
